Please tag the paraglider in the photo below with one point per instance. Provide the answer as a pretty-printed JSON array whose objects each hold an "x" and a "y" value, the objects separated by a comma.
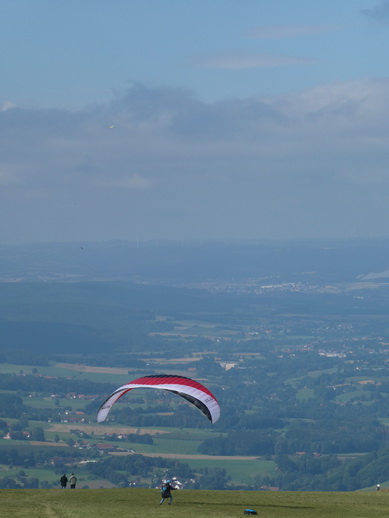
[{"x": 187, "y": 388}]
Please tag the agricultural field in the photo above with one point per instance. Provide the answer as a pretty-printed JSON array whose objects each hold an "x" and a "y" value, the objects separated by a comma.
[
  {"x": 173, "y": 443},
  {"x": 297, "y": 361},
  {"x": 73, "y": 422}
]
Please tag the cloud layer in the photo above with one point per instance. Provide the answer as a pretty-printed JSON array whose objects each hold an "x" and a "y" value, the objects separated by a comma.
[
  {"x": 308, "y": 164},
  {"x": 380, "y": 12}
]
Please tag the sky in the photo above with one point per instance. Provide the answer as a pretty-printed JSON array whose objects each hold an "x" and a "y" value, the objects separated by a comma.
[{"x": 193, "y": 119}]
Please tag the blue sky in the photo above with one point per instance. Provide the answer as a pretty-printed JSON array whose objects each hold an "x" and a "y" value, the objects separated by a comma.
[{"x": 232, "y": 119}]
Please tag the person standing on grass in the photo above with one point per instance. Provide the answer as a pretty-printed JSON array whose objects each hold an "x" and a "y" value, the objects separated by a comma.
[
  {"x": 166, "y": 490},
  {"x": 64, "y": 481},
  {"x": 73, "y": 481}
]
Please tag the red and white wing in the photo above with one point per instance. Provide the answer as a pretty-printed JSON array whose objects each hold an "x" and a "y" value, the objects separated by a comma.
[{"x": 187, "y": 388}]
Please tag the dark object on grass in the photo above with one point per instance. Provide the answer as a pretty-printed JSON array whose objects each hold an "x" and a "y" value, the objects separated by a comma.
[{"x": 249, "y": 511}]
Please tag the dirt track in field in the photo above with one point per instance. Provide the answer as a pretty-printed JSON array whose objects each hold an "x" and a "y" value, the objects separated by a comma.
[
  {"x": 88, "y": 368},
  {"x": 45, "y": 443},
  {"x": 185, "y": 456},
  {"x": 101, "y": 429},
  {"x": 56, "y": 427}
]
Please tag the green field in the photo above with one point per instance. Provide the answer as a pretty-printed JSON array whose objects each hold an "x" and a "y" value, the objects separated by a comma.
[
  {"x": 176, "y": 442},
  {"x": 56, "y": 370},
  {"x": 142, "y": 503}
]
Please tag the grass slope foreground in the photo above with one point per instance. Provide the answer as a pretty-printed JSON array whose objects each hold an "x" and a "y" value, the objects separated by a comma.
[{"x": 142, "y": 503}]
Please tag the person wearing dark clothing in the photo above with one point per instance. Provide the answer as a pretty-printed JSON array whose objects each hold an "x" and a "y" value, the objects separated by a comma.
[
  {"x": 64, "y": 481},
  {"x": 73, "y": 481},
  {"x": 166, "y": 492}
]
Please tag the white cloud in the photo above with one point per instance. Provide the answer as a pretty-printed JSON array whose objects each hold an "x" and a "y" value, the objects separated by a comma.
[
  {"x": 124, "y": 182},
  {"x": 288, "y": 31},
  {"x": 341, "y": 97},
  {"x": 6, "y": 105},
  {"x": 379, "y": 12},
  {"x": 373, "y": 276},
  {"x": 234, "y": 61}
]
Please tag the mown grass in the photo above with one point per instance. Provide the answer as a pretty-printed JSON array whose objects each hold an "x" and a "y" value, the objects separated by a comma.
[{"x": 142, "y": 503}]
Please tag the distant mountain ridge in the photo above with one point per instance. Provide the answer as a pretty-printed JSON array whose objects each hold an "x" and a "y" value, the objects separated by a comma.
[{"x": 329, "y": 261}]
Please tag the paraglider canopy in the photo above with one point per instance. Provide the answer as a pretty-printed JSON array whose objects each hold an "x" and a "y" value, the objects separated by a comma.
[{"x": 189, "y": 389}]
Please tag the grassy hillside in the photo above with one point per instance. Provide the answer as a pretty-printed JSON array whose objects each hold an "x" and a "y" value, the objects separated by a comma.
[{"x": 142, "y": 503}]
